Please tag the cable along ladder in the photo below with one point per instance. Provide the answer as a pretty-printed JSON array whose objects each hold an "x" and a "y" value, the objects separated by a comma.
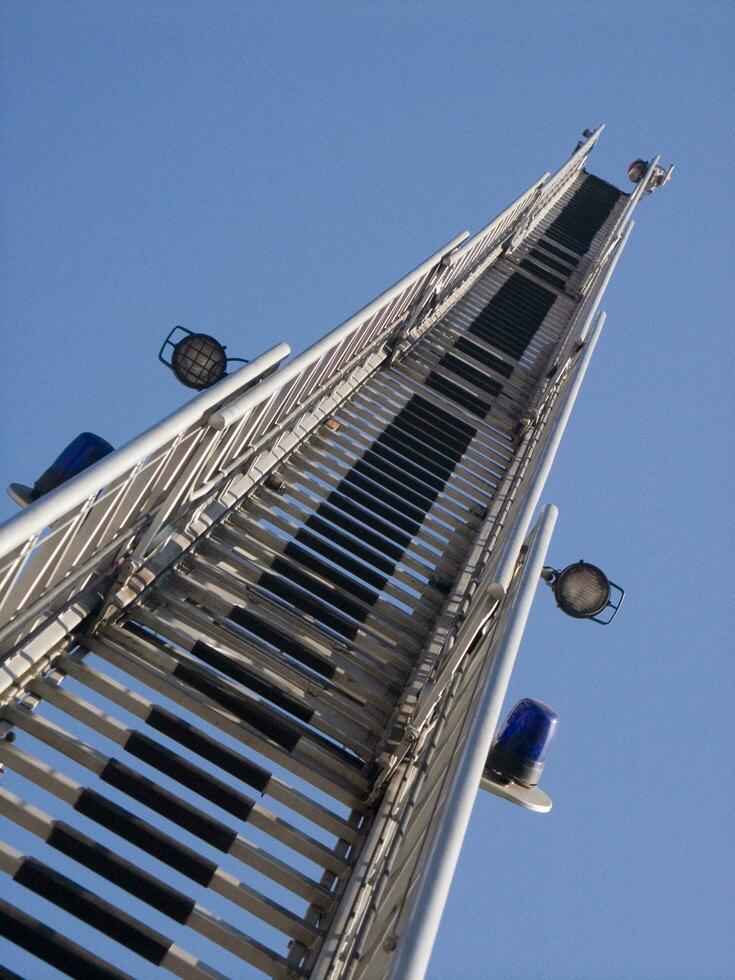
[{"x": 240, "y": 654}]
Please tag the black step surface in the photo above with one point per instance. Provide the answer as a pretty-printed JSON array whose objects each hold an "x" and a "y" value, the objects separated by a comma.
[{"x": 584, "y": 215}]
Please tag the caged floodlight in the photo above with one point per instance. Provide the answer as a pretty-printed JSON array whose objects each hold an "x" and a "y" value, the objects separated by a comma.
[
  {"x": 197, "y": 359},
  {"x": 518, "y": 755},
  {"x": 583, "y": 591}
]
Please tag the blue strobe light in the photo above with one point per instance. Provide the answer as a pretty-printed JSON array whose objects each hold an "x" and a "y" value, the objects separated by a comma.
[
  {"x": 516, "y": 760},
  {"x": 81, "y": 452}
]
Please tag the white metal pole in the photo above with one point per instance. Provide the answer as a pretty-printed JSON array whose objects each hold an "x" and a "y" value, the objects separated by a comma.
[
  {"x": 503, "y": 573},
  {"x": 509, "y": 556},
  {"x": 59, "y": 502},
  {"x": 522, "y": 523},
  {"x": 417, "y": 938},
  {"x": 605, "y": 280}
]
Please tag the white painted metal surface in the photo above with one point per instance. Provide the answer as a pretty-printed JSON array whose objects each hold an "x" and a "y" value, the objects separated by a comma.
[
  {"x": 416, "y": 939},
  {"x": 59, "y": 542},
  {"x": 262, "y": 649}
]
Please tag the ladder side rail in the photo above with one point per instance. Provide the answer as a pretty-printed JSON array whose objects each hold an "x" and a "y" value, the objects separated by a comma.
[
  {"x": 568, "y": 171},
  {"x": 416, "y": 939},
  {"x": 621, "y": 229},
  {"x": 66, "y": 564},
  {"x": 511, "y": 225},
  {"x": 65, "y": 547},
  {"x": 492, "y": 236},
  {"x": 60, "y": 531},
  {"x": 256, "y": 436},
  {"x": 495, "y": 233},
  {"x": 362, "y": 938},
  {"x": 62, "y": 506},
  {"x": 551, "y": 407},
  {"x": 468, "y": 260},
  {"x": 455, "y": 275},
  {"x": 642, "y": 187},
  {"x": 455, "y": 261},
  {"x": 498, "y": 567},
  {"x": 553, "y": 400},
  {"x": 364, "y": 319},
  {"x": 323, "y": 372},
  {"x": 103, "y": 516}
]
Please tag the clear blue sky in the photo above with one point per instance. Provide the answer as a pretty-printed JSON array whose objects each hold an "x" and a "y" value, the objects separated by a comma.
[{"x": 260, "y": 171}]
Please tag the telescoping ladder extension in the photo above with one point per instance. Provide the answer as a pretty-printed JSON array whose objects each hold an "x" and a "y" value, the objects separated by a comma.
[{"x": 241, "y": 655}]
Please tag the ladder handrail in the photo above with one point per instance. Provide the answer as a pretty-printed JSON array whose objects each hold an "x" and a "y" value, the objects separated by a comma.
[{"x": 59, "y": 502}]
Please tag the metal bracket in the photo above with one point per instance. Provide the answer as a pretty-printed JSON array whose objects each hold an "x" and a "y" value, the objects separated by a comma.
[
  {"x": 614, "y": 605},
  {"x": 428, "y": 298}
]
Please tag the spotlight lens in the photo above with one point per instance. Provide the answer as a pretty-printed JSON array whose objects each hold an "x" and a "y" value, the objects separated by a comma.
[
  {"x": 519, "y": 752},
  {"x": 199, "y": 361},
  {"x": 582, "y": 590}
]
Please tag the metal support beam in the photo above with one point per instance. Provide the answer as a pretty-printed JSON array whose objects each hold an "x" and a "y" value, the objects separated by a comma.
[{"x": 417, "y": 940}]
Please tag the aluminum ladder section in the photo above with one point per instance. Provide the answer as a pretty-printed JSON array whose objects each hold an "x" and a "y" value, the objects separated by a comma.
[{"x": 201, "y": 768}]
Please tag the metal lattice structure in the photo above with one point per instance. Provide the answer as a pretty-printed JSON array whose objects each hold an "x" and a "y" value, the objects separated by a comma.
[{"x": 252, "y": 662}]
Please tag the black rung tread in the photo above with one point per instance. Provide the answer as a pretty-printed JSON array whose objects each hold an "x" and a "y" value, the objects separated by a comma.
[
  {"x": 407, "y": 445},
  {"x": 511, "y": 318},
  {"x": 303, "y": 598},
  {"x": 263, "y": 719},
  {"x": 243, "y": 675},
  {"x": 463, "y": 432},
  {"x": 243, "y": 708},
  {"x": 386, "y": 514},
  {"x": 448, "y": 448},
  {"x": 399, "y": 481},
  {"x": 371, "y": 529},
  {"x": 541, "y": 273},
  {"x": 95, "y": 911},
  {"x": 564, "y": 270},
  {"x": 278, "y": 638},
  {"x": 379, "y": 492},
  {"x": 210, "y": 788},
  {"x": 490, "y": 360},
  {"x": 120, "y": 872},
  {"x": 208, "y": 748},
  {"x": 558, "y": 252},
  {"x": 476, "y": 377},
  {"x": 458, "y": 394},
  {"x": 320, "y": 568},
  {"x": 586, "y": 212},
  {"x": 385, "y": 451},
  {"x": 399, "y": 499},
  {"x": 149, "y": 839},
  {"x": 168, "y": 805},
  {"x": 338, "y": 547},
  {"x": 50, "y": 946}
]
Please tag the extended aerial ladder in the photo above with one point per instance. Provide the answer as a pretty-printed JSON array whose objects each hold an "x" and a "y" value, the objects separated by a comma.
[{"x": 253, "y": 661}]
